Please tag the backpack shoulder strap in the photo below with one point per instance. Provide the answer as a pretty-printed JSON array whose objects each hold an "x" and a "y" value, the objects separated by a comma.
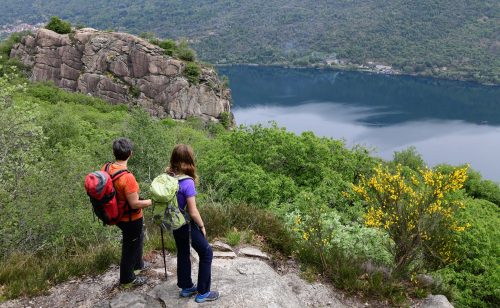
[
  {"x": 115, "y": 176},
  {"x": 183, "y": 177},
  {"x": 106, "y": 167}
]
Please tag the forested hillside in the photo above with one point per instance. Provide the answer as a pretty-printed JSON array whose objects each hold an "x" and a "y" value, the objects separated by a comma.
[{"x": 448, "y": 38}]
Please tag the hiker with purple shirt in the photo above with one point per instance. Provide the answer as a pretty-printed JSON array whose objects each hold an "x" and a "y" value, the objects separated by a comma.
[{"x": 182, "y": 163}]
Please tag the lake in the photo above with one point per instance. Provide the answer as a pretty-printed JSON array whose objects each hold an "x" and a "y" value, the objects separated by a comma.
[{"x": 447, "y": 121}]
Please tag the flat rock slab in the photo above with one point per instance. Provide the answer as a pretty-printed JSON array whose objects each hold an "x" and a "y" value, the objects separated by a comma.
[
  {"x": 161, "y": 271},
  {"x": 436, "y": 301},
  {"x": 242, "y": 282},
  {"x": 312, "y": 295},
  {"x": 224, "y": 254},
  {"x": 135, "y": 300},
  {"x": 253, "y": 252},
  {"x": 245, "y": 282},
  {"x": 220, "y": 246}
]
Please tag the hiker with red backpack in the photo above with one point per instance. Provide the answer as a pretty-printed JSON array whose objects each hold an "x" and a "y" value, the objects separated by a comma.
[{"x": 114, "y": 193}]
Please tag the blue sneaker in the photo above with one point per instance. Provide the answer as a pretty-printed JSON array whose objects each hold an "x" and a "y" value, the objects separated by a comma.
[
  {"x": 188, "y": 292},
  {"x": 209, "y": 296}
]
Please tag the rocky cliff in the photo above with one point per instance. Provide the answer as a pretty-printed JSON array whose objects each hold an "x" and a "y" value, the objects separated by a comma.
[{"x": 122, "y": 69}]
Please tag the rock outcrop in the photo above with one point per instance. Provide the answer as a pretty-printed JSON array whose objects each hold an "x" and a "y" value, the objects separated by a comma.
[
  {"x": 242, "y": 282},
  {"x": 122, "y": 69}
]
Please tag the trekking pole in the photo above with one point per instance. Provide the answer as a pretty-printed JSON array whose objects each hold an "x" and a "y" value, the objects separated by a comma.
[{"x": 163, "y": 250}]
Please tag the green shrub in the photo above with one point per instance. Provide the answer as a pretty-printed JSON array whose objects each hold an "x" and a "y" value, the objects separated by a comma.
[
  {"x": 57, "y": 25},
  {"x": 135, "y": 91},
  {"x": 192, "y": 72},
  {"x": 7, "y": 44},
  {"x": 409, "y": 158},
  {"x": 417, "y": 211},
  {"x": 233, "y": 237},
  {"x": 184, "y": 52},
  {"x": 475, "y": 185},
  {"x": 475, "y": 276},
  {"x": 225, "y": 81},
  {"x": 225, "y": 119},
  {"x": 221, "y": 219},
  {"x": 170, "y": 47}
]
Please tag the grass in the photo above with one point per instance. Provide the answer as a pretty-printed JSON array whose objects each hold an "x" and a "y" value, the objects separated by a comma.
[
  {"x": 153, "y": 238},
  {"x": 233, "y": 237},
  {"x": 24, "y": 274},
  {"x": 221, "y": 219}
]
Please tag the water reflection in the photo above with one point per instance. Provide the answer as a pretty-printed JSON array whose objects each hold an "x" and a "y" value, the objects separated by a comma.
[
  {"x": 448, "y": 122},
  {"x": 452, "y": 142},
  {"x": 407, "y": 98}
]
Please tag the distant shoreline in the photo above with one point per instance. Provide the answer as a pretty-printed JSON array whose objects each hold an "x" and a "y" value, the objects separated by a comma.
[{"x": 361, "y": 69}]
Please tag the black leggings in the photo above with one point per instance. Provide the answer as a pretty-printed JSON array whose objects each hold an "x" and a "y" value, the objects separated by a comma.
[{"x": 132, "y": 245}]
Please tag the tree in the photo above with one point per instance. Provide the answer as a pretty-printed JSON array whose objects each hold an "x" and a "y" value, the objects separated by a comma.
[{"x": 20, "y": 138}]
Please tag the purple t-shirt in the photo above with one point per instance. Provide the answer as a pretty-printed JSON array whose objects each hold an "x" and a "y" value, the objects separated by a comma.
[{"x": 186, "y": 190}]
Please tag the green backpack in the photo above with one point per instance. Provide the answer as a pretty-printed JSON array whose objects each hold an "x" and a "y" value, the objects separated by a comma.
[{"x": 164, "y": 194}]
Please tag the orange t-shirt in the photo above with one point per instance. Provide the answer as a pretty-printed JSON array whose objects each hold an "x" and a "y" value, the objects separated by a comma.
[{"x": 124, "y": 186}]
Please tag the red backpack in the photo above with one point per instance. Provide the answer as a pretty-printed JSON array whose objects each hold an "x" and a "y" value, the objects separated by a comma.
[{"x": 102, "y": 193}]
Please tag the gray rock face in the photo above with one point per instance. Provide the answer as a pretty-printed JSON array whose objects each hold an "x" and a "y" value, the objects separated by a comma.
[
  {"x": 425, "y": 280},
  {"x": 224, "y": 254},
  {"x": 220, "y": 246},
  {"x": 436, "y": 301},
  {"x": 136, "y": 300},
  {"x": 244, "y": 282},
  {"x": 122, "y": 69},
  {"x": 253, "y": 252}
]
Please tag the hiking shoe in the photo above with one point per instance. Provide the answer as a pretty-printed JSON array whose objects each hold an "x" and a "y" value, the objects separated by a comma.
[
  {"x": 209, "y": 296},
  {"x": 138, "y": 281},
  {"x": 188, "y": 291},
  {"x": 145, "y": 267}
]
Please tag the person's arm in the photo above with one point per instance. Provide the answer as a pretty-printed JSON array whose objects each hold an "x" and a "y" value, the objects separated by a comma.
[
  {"x": 195, "y": 214},
  {"x": 135, "y": 203}
]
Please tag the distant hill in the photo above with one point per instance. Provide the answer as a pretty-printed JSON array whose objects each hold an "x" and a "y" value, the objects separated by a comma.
[{"x": 448, "y": 38}]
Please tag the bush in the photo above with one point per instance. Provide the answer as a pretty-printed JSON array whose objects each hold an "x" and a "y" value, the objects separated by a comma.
[
  {"x": 233, "y": 237},
  {"x": 220, "y": 220},
  {"x": 409, "y": 158},
  {"x": 225, "y": 119},
  {"x": 475, "y": 185},
  {"x": 192, "y": 72},
  {"x": 57, "y": 25},
  {"x": 475, "y": 276},
  {"x": 170, "y": 47},
  {"x": 7, "y": 44},
  {"x": 135, "y": 91},
  {"x": 417, "y": 213},
  {"x": 184, "y": 52}
]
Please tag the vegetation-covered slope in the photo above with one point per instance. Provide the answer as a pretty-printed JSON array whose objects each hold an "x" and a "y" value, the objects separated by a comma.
[
  {"x": 295, "y": 193},
  {"x": 456, "y": 39}
]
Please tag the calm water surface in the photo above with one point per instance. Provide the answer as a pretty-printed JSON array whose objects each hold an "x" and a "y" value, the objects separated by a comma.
[{"x": 448, "y": 122}]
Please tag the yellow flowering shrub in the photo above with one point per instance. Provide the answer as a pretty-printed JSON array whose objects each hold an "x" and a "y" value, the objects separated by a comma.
[{"x": 416, "y": 209}]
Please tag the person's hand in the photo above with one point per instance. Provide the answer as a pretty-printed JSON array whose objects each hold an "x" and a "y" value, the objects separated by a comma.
[
  {"x": 203, "y": 231},
  {"x": 149, "y": 202}
]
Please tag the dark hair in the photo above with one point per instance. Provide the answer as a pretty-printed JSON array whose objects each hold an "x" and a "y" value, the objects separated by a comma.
[
  {"x": 122, "y": 148},
  {"x": 182, "y": 161}
]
